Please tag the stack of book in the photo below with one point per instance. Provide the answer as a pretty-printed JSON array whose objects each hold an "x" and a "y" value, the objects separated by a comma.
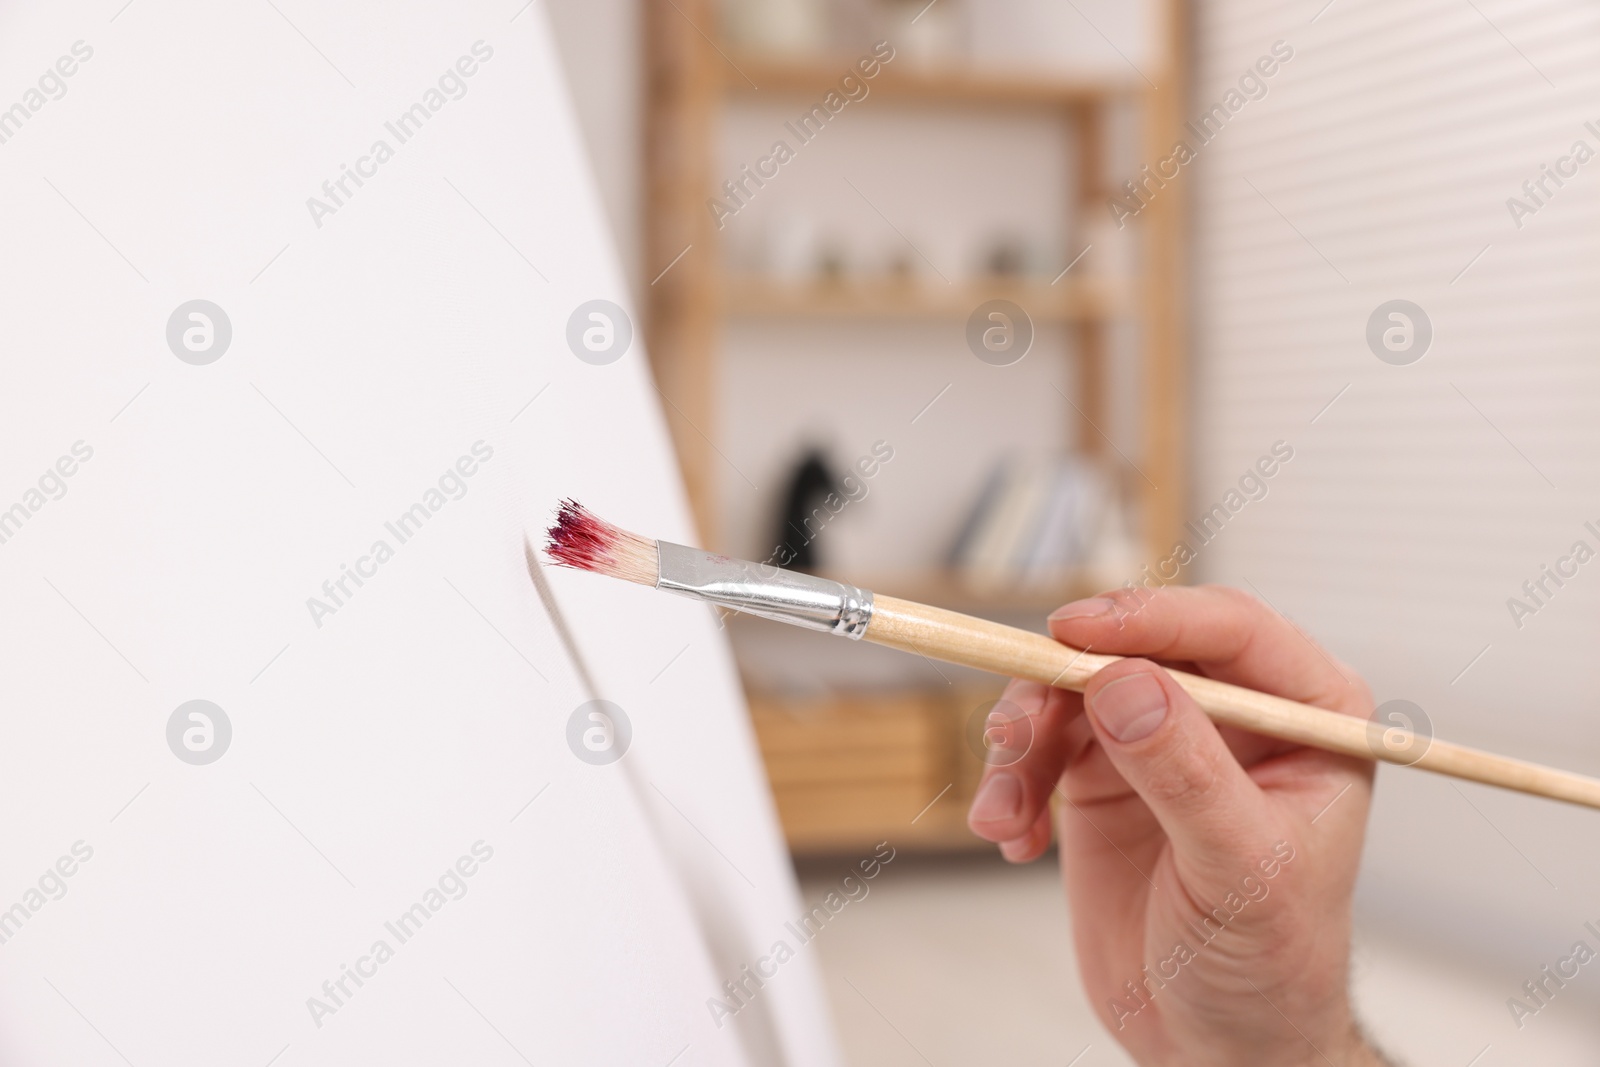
[{"x": 1036, "y": 521}]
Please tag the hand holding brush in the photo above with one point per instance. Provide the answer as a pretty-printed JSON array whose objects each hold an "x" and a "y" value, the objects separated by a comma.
[{"x": 1209, "y": 868}]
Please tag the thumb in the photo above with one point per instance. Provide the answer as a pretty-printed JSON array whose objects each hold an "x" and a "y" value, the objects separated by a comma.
[{"x": 1172, "y": 755}]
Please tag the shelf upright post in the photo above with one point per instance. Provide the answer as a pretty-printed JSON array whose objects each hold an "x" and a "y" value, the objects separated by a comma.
[
  {"x": 682, "y": 101},
  {"x": 1088, "y": 123},
  {"x": 1165, "y": 410}
]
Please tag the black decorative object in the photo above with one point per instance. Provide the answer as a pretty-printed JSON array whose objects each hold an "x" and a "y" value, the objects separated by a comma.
[{"x": 805, "y": 513}]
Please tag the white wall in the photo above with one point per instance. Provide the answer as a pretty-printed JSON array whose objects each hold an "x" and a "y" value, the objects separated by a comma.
[{"x": 1378, "y": 167}]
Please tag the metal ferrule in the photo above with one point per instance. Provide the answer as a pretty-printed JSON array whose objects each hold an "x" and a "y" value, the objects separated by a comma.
[{"x": 761, "y": 589}]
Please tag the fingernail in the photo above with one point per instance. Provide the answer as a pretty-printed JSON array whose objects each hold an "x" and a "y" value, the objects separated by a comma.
[
  {"x": 1083, "y": 609},
  {"x": 1131, "y": 708},
  {"x": 999, "y": 798},
  {"x": 1004, "y": 715},
  {"x": 997, "y": 729}
]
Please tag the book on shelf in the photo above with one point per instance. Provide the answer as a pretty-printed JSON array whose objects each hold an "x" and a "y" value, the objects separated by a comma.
[{"x": 1036, "y": 520}]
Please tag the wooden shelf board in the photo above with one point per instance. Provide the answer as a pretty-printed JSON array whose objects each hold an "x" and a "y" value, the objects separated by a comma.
[
  {"x": 1066, "y": 301},
  {"x": 902, "y": 78}
]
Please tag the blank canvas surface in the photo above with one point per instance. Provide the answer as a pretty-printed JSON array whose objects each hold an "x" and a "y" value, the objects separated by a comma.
[{"x": 194, "y": 512}]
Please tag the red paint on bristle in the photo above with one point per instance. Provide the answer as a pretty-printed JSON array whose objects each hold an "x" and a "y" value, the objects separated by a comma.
[{"x": 578, "y": 539}]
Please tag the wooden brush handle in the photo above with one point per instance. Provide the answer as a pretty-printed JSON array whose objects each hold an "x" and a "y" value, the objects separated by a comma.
[{"x": 956, "y": 638}]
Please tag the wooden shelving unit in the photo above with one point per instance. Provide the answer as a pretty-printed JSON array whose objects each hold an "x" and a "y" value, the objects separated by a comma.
[{"x": 850, "y": 771}]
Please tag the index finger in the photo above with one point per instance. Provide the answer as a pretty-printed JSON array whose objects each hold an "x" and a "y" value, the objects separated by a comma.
[{"x": 1227, "y": 633}]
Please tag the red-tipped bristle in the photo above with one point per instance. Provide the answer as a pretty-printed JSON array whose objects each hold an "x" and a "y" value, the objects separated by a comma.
[
  {"x": 579, "y": 538},
  {"x": 583, "y": 540}
]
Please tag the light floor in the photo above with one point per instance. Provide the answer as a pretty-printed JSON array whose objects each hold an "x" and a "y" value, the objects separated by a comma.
[{"x": 968, "y": 961}]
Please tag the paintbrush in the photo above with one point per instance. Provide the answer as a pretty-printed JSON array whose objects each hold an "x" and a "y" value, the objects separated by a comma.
[{"x": 583, "y": 540}]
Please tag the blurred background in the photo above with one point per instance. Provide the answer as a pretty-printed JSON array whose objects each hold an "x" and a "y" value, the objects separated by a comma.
[{"x": 934, "y": 303}]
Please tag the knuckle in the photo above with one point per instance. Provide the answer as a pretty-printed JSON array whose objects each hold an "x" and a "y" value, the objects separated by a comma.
[{"x": 1181, "y": 780}]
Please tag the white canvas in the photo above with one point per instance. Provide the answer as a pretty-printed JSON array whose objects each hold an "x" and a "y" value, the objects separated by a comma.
[{"x": 387, "y": 736}]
